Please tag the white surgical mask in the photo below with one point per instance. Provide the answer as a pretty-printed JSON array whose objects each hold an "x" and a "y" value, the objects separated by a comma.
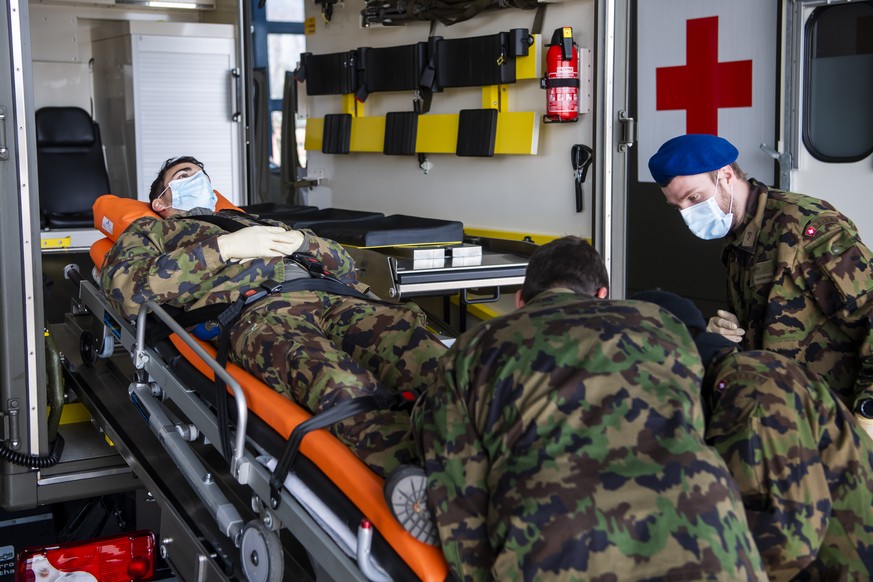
[
  {"x": 707, "y": 220},
  {"x": 192, "y": 192}
]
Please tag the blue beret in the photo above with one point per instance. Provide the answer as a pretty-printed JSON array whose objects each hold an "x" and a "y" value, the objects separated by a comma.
[{"x": 687, "y": 155}]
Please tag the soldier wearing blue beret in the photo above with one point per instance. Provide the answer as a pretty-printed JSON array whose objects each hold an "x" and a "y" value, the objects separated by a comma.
[{"x": 799, "y": 277}]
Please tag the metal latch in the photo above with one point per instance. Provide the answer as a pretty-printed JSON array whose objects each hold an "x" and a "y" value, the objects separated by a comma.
[
  {"x": 11, "y": 428},
  {"x": 784, "y": 161},
  {"x": 628, "y": 131}
]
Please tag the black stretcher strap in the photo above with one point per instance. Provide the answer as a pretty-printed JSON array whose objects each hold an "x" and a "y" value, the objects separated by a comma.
[
  {"x": 227, "y": 223},
  {"x": 227, "y": 315},
  {"x": 324, "y": 419},
  {"x": 322, "y": 281}
]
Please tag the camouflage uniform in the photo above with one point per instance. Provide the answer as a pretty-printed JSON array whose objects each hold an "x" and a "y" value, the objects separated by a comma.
[
  {"x": 799, "y": 281},
  {"x": 565, "y": 441},
  {"x": 803, "y": 466},
  {"x": 317, "y": 348}
]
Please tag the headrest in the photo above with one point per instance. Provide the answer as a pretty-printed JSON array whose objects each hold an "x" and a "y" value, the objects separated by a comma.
[
  {"x": 688, "y": 155},
  {"x": 113, "y": 214},
  {"x": 64, "y": 126}
]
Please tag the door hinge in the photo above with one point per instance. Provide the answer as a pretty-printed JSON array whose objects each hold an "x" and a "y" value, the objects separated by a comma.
[
  {"x": 628, "y": 136},
  {"x": 4, "y": 151},
  {"x": 784, "y": 161}
]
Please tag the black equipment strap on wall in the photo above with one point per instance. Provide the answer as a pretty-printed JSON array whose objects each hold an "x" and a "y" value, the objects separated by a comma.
[{"x": 581, "y": 157}]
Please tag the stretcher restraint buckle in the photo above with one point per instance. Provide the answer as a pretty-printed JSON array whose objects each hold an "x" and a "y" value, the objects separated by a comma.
[
  {"x": 407, "y": 400},
  {"x": 229, "y": 316},
  {"x": 268, "y": 287},
  {"x": 313, "y": 266}
]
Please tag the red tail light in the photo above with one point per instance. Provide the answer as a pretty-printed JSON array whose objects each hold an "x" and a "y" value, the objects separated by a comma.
[{"x": 127, "y": 557}]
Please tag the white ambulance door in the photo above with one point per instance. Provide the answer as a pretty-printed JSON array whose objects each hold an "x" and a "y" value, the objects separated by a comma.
[
  {"x": 700, "y": 66},
  {"x": 21, "y": 303},
  {"x": 614, "y": 136},
  {"x": 829, "y": 119}
]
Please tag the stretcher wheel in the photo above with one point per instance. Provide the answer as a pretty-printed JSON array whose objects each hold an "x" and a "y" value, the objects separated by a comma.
[
  {"x": 261, "y": 553},
  {"x": 88, "y": 348},
  {"x": 107, "y": 346},
  {"x": 406, "y": 493}
]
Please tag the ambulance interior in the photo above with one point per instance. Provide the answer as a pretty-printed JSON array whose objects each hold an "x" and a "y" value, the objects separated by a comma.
[
  {"x": 439, "y": 190},
  {"x": 155, "y": 82}
]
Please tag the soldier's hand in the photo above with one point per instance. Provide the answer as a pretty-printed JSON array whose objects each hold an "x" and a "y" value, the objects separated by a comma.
[
  {"x": 255, "y": 242},
  {"x": 725, "y": 323}
]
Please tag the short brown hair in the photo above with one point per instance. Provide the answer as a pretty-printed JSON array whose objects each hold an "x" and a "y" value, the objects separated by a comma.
[{"x": 565, "y": 262}]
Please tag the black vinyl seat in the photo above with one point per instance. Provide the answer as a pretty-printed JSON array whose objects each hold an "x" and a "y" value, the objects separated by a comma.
[{"x": 71, "y": 167}]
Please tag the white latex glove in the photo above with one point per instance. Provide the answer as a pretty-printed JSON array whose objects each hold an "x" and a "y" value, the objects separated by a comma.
[
  {"x": 254, "y": 242},
  {"x": 866, "y": 424},
  {"x": 725, "y": 323}
]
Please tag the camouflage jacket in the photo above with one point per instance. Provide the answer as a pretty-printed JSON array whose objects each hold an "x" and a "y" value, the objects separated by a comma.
[
  {"x": 800, "y": 282},
  {"x": 803, "y": 465},
  {"x": 565, "y": 441},
  {"x": 175, "y": 261}
]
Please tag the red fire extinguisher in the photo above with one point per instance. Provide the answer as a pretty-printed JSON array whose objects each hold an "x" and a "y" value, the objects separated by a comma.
[{"x": 561, "y": 80}]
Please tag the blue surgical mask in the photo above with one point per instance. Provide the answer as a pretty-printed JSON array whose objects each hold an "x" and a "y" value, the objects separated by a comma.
[
  {"x": 707, "y": 220},
  {"x": 193, "y": 192}
]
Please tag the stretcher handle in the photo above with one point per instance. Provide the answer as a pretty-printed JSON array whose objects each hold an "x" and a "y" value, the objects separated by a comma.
[{"x": 140, "y": 359}]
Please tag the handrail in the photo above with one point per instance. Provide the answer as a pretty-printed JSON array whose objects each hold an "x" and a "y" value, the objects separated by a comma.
[{"x": 140, "y": 358}]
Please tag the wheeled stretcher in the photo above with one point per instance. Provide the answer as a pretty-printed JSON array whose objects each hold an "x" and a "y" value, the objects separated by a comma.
[{"x": 331, "y": 501}]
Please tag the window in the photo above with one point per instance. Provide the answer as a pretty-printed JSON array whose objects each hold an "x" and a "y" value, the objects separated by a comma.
[
  {"x": 838, "y": 119},
  {"x": 283, "y": 52},
  {"x": 278, "y": 41}
]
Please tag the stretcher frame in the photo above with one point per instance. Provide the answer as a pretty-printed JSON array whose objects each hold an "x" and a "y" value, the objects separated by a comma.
[
  {"x": 155, "y": 383},
  {"x": 357, "y": 489}
]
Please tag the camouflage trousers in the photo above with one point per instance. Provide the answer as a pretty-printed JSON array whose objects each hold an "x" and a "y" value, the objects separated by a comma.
[{"x": 320, "y": 349}]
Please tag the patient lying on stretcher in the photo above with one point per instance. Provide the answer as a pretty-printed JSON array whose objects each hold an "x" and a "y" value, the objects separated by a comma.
[{"x": 321, "y": 340}]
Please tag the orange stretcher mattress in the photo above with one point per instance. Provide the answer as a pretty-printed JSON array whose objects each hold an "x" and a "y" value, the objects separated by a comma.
[{"x": 362, "y": 487}]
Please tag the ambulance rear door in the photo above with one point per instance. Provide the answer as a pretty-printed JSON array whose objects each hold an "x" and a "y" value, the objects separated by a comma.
[
  {"x": 828, "y": 119},
  {"x": 21, "y": 344},
  {"x": 698, "y": 66}
]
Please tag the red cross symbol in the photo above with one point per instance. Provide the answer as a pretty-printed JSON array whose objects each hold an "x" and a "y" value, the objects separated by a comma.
[{"x": 704, "y": 85}]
